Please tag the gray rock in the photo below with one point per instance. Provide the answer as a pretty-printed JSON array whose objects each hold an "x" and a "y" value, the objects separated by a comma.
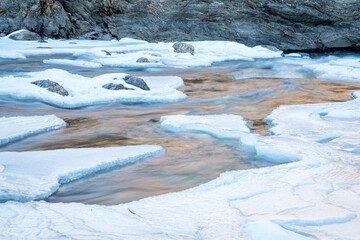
[
  {"x": 113, "y": 86},
  {"x": 137, "y": 82},
  {"x": 180, "y": 47},
  {"x": 107, "y": 53},
  {"x": 142, "y": 60},
  {"x": 52, "y": 86},
  {"x": 292, "y": 25},
  {"x": 25, "y": 35},
  {"x": 2, "y": 35}
]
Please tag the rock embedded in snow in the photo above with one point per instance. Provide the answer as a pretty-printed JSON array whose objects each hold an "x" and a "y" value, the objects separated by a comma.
[
  {"x": 113, "y": 86},
  {"x": 137, "y": 82},
  {"x": 87, "y": 91},
  {"x": 142, "y": 60},
  {"x": 25, "y": 35},
  {"x": 17, "y": 128},
  {"x": 107, "y": 52},
  {"x": 52, "y": 86},
  {"x": 180, "y": 47}
]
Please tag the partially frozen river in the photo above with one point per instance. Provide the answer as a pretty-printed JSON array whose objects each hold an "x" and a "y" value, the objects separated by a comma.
[{"x": 236, "y": 87}]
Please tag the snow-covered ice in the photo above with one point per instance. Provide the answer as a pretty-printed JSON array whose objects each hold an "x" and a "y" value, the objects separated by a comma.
[
  {"x": 17, "y": 128},
  {"x": 223, "y": 125},
  {"x": 84, "y": 91},
  {"x": 36, "y": 175},
  {"x": 315, "y": 197},
  {"x": 75, "y": 63},
  {"x": 124, "y": 53}
]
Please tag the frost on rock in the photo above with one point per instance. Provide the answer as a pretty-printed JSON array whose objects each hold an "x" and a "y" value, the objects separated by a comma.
[
  {"x": 83, "y": 91},
  {"x": 17, "y": 128},
  {"x": 36, "y": 175}
]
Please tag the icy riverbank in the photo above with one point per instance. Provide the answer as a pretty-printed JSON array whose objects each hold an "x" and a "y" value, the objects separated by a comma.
[{"x": 315, "y": 197}]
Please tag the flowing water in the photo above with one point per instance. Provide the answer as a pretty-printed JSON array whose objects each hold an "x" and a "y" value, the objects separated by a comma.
[{"x": 190, "y": 159}]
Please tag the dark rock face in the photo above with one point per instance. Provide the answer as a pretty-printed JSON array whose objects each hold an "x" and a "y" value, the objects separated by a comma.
[
  {"x": 180, "y": 47},
  {"x": 142, "y": 60},
  {"x": 137, "y": 82},
  {"x": 285, "y": 24},
  {"x": 25, "y": 35},
  {"x": 52, "y": 86},
  {"x": 113, "y": 86}
]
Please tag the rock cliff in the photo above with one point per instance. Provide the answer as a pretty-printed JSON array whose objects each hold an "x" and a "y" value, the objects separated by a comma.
[{"x": 315, "y": 25}]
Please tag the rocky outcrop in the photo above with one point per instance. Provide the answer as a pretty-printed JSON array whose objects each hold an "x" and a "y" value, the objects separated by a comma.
[
  {"x": 52, "y": 86},
  {"x": 285, "y": 24}
]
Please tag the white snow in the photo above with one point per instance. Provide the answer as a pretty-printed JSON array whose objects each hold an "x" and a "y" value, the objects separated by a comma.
[
  {"x": 17, "y": 128},
  {"x": 124, "y": 53},
  {"x": 315, "y": 197},
  {"x": 36, "y": 175},
  {"x": 85, "y": 91},
  {"x": 222, "y": 126},
  {"x": 78, "y": 63}
]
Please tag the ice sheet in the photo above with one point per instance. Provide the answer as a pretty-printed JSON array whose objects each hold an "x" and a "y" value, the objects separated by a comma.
[
  {"x": 124, "y": 53},
  {"x": 315, "y": 197},
  {"x": 85, "y": 91},
  {"x": 36, "y": 175},
  {"x": 17, "y": 128}
]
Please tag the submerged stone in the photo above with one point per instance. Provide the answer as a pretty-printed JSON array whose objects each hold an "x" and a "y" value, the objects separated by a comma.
[
  {"x": 137, "y": 82},
  {"x": 52, "y": 86}
]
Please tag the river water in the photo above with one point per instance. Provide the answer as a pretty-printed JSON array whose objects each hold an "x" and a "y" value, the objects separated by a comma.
[{"x": 190, "y": 159}]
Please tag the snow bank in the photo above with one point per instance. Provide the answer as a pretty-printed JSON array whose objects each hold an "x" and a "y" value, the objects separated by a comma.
[
  {"x": 36, "y": 175},
  {"x": 124, "y": 53},
  {"x": 85, "y": 91},
  {"x": 17, "y": 128}
]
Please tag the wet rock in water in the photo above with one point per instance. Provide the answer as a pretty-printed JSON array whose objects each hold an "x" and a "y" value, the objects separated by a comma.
[
  {"x": 52, "y": 86},
  {"x": 137, "y": 82},
  {"x": 42, "y": 41},
  {"x": 113, "y": 86},
  {"x": 107, "y": 53},
  {"x": 25, "y": 35},
  {"x": 2, "y": 35},
  {"x": 180, "y": 47},
  {"x": 142, "y": 60}
]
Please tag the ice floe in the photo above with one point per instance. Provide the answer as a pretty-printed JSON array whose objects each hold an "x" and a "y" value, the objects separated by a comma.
[
  {"x": 222, "y": 126},
  {"x": 36, "y": 175},
  {"x": 84, "y": 91},
  {"x": 124, "y": 53},
  {"x": 17, "y": 128}
]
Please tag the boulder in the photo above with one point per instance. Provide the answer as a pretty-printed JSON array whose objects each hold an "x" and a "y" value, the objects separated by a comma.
[
  {"x": 137, "y": 82},
  {"x": 142, "y": 60},
  {"x": 113, "y": 86},
  {"x": 52, "y": 86},
  {"x": 180, "y": 47},
  {"x": 25, "y": 35}
]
